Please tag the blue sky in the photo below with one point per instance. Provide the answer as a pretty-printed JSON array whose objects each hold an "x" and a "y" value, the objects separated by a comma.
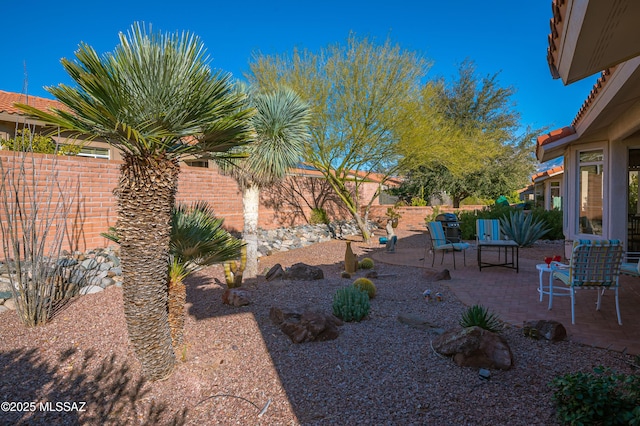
[{"x": 509, "y": 37}]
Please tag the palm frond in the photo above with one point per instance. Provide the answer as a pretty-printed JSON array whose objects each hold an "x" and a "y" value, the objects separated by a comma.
[
  {"x": 198, "y": 238},
  {"x": 281, "y": 126},
  {"x": 154, "y": 93}
]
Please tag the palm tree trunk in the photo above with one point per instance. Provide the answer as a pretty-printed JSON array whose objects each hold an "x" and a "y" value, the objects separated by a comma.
[
  {"x": 146, "y": 194},
  {"x": 250, "y": 205}
]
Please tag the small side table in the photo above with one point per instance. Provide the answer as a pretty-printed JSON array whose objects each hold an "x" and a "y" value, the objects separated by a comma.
[{"x": 542, "y": 268}]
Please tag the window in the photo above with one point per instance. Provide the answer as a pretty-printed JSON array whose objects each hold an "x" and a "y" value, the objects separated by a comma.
[
  {"x": 539, "y": 195},
  {"x": 590, "y": 191},
  {"x": 197, "y": 163},
  {"x": 556, "y": 200},
  {"x": 88, "y": 151}
]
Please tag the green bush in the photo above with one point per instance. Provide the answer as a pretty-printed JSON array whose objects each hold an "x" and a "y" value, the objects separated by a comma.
[
  {"x": 523, "y": 228},
  {"x": 434, "y": 213},
  {"x": 468, "y": 218},
  {"x": 599, "y": 398},
  {"x": 551, "y": 218},
  {"x": 366, "y": 263},
  {"x": 480, "y": 316},
  {"x": 318, "y": 216},
  {"x": 365, "y": 284},
  {"x": 350, "y": 304}
]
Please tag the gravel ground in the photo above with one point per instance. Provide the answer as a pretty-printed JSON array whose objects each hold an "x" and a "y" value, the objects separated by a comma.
[{"x": 238, "y": 367}]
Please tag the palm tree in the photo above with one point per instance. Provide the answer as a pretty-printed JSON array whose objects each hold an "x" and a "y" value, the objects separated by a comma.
[
  {"x": 197, "y": 240},
  {"x": 156, "y": 100},
  {"x": 281, "y": 127}
]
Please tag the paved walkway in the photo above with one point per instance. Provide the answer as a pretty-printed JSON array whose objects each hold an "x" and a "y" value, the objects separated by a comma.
[{"x": 514, "y": 296}]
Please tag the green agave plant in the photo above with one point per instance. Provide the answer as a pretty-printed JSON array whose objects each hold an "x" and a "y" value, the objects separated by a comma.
[
  {"x": 479, "y": 316},
  {"x": 522, "y": 228}
]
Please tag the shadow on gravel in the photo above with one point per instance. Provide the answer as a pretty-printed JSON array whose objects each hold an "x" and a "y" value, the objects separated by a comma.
[{"x": 77, "y": 389}]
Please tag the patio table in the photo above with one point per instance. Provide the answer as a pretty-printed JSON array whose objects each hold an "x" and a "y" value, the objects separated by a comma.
[
  {"x": 500, "y": 244},
  {"x": 549, "y": 289}
]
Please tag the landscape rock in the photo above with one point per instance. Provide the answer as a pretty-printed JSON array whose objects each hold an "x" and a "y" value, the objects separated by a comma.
[
  {"x": 106, "y": 282},
  {"x": 236, "y": 297},
  {"x": 3, "y": 309},
  {"x": 550, "y": 330},
  {"x": 442, "y": 275},
  {"x": 475, "y": 347},
  {"x": 283, "y": 239},
  {"x": 275, "y": 272},
  {"x": 416, "y": 322},
  {"x": 89, "y": 263},
  {"x": 302, "y": 271},
  {"x": 306, "y": 327},
  {"x": 10, "y": 304}
]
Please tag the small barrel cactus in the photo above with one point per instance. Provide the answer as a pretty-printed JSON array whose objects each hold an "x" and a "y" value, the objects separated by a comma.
[
  {"x": 366, "y": 263},
  {"x": 350, "y": 304},
  {"x": 367, "y": 285}
]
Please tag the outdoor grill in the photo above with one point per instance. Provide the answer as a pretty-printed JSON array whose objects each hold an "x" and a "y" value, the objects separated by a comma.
[{"x": 451, "y": 226}]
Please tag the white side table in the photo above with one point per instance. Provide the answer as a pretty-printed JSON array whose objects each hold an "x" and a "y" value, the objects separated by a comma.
[{"x": 542, "y": 268}]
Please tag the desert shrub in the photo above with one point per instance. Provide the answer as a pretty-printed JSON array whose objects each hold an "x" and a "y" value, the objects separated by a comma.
[
  {"x": 553, "y": 220},
  {"x": 599, "y": 398},
  {"x": 479, "y": 316},
  {"x": 318, "y": 216},
  {"x": 367, "y": 285},
  {"x": 468, "y": 218},
  {"x": 434, "y": 213},
  {"x": 523, "y": 228},
  {"x": 350, "y": 304},
  {"x": 366, "y": 263}
]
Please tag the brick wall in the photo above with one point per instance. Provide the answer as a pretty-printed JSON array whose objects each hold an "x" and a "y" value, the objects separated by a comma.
[{"x": 90, "y": 183}]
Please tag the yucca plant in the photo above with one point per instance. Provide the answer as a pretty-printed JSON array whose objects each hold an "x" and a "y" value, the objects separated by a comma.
[
  {"x": 156, "y": 99},
  {"x": 197, "y": 240},
  {"x": 479, "y": 316},
  {"x": 522, "y": 228}
]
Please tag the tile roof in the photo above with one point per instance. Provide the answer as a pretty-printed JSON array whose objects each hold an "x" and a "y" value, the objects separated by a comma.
[
  {"x": 597, "y": 87},
  {"x": 547, "y": 173},
  {"x": 8, "y": 99},
  {"x": 554, "y": 135},
  {"x": 558, "y": 9}
]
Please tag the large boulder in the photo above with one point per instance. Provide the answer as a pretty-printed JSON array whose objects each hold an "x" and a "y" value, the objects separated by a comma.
[
  {"x": 308, "y": 326},
  {"x": 302, "y": 271},
  {"x": 475, "y": 347}
]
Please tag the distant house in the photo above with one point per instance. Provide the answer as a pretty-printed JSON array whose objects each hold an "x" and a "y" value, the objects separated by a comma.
[
  {"x": 601, "y": 147},
  {"x": 12, "y": 120},
  {"x": 548, "y": 188}
]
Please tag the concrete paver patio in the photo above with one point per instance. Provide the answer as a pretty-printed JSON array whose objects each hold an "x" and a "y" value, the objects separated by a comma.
[{"x": 515, "y": 298}]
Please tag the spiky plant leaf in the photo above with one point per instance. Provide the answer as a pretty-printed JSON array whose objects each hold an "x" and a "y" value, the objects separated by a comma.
[
  {"x": 480, "y": 316},
  {"x": 522, "y": 228}
]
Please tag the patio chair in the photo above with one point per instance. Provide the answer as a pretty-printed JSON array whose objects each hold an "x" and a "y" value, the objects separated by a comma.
[
  {"x": 631, "y": 264},
  {"x": 439, "y": 242},
  {"x": 489, "y": 236},
  {"x": 595, "y": 265}
]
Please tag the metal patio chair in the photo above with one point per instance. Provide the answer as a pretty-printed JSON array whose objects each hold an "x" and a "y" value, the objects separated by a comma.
[
  {"x": 594, "y": 265},
  {"x": 439, "y": 242}
]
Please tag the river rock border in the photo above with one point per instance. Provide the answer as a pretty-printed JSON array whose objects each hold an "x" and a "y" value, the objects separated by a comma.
[{"x": 98, "y": 269}]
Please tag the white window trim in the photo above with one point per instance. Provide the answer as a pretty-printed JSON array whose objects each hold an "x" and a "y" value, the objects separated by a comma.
[{"x": 604, "y": 146}]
